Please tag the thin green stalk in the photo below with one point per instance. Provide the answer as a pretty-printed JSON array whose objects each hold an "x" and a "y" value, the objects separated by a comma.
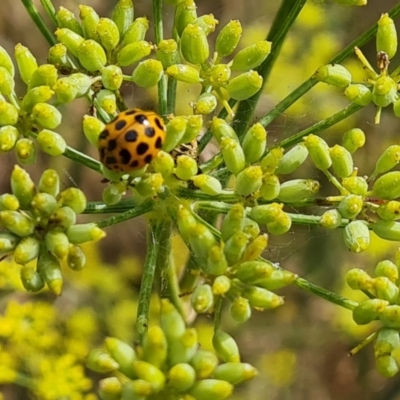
[
  {"x": 99, "y": 207},
  {"x": 50, "y": 10},
  {"x": 283, "y": 22},
  {"x": 171, "y": 95},
  {"x": 217, "y": 313},
  {"x": 153, "y": 242},
  {"x": 144, "y": 208},
  {"x": 369, "y": 339},
  {"x": 227, "y": 196}
]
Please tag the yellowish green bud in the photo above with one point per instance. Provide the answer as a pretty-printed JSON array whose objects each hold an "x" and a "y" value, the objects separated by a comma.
[
  {"x": 183, "y": 348},
  {"x": 26, "y": 62},
  {"x": 204, "y": 362},
  {"x": 358, "y": 94},
  {"x": 185, "y": 13},
  {"x": 9, "y": 202},
  {"x": 233, "y": 155},
  {"x": 206, "y": 22},
  {"x": 342, "y": 161},
  {"x": 49, "y": 182},
  {"x": 171, "y": 320},
  {"x": 44, "y": 204},
  {"x": 186, "y": 167},
  {"x": 57, "y": 243},
  {"x": 63, "y": 218},
  {"x": 255, "y": 248},
  {"x": 277, "y": 280},
  {"x": 74, "y": 198},
  {"x": 390, "y": 316},
  {"x": 216, "y": 76},
  {"x": 92, "y": 127},
  {"x": 271, "y": 161},
  {"x": 155, "y": 347},
  {"x": 262, "y": 298},
  {"x": 235, "y": 373},
  {"x": 292, "y": 159},
  {"x": 384, "y": 91},
  {"x": 351, "y": 206},
  {"x": 388, "y": 269},
  {"x": 228, "y": 38},
  {"x": 184, "y": 73},
  {"x": 147, "y": 73},
  {"x": 211, "y": 389},
  {"x": 100, "y": 361},
  {"x": 389, "y": 230},
  {"x": 254, "y": 143},
  {"x": 266, "y": 213},
  {"x": 245, "y": 85},
  {"x": 69, "y": 39},
  {"x": 31, "y": 279},
  {"x": 46, "y": 115},
  {"x": 186, "y": 222},
  {"x": 355, "y": 185},
  {"x": 193, "y": 128},
  {"x": 205, "y": 104},
  {"x": 387, "y": 160},
  {"x": 8, "y": 138},
  {"x": 8, "y": 114},
  {"x": 150, "y": 185},
  {"x": 107, "y": 101},
  {"x": 358, "y": 279},
  {"x": 331, "y": 219},
  {"x": 240, "y": 310},
  {"x": 123, "y": 15},
  {"x": 202, "y": 298},
  {"x": 133, "y": 52},
  {"x": 6, "y": 62},
  {"x": 91, "y": 55},
  {"x": 50, "y": 270},
  {"x": 6, "y": 82},
  {"x": 181, "y": 377},
  {"x": 175, "y": 131},
  {"x": 233, "y": 222},
  {"x": 51, "y": 142},
  {"x": 66, "y": 19},
  {"x": 76, "y": 258},
  {"x": 270, "y": 187},
  {"x": 194, "y": 44},
  {"x": 221, "y": 129},
  {"x": 221, "y": 285},
  {"x": 319, "y": 151},
  {"x": 225, "y": 347},
  {"x": 368, "y": 310},
  {"x": 65, "y": 90},
  {"x": 389, "y": 211},
  {"x": 387, "y": 341},
  {"x": 249, "y": 180},
  {"x": 235, "y": 247},
  {"x": 334, "y": 74},
  {"x": 136, "y": 31},
  {"x": 39, "y": 94},
  {"x": 163, "y": 163},
  {"x": 356, "y": 236},
  {"x": 122, "y": 353},
  {"x": 137, "y": 389},
  {"x": 112, "y": 77},
  {"x": 251, "y": 272},
  {"x": 386, "y": 36},
  {"x": 8, "y": 242},
  {"x": 167, "y": 52},
  {"x": 386, "y": 365},
  {"x": 251, "y": 56},
  {"x": 201, "y": 240},
  {"x": 207, "y": 184},
  {"x": 82, "y": 83},
  {"x": 113, "y": 193},
  {"x": 89, "y": 19},
  {"x": 82, "y": 233},
  {"x": 280, "y": 225},
  {"x": 22, "y": 186},
  {"x": 385, "y": 289},
  {"x": 298, "y": 190},
  {"x": 108, "y": 33},
  {"x": 387, "y": 186},
  {"x": 44, "y": 75},
  {"x": 58, "y": 54},
  {"x": 216, "y": 261},
  {"x": 110, "y": 388}
]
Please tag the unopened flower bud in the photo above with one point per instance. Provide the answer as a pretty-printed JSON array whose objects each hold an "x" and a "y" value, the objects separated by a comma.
[
  {"x": 298, "y": 190},
  {"x": 91, "y": 55},
  {"x": 136, "y": 31},
  {"x": 359, "y": 94},
  {"x": 147, "y": 73},
  {"x": 69, "y": 39},
  {"x": 319, "y": 151},
  {"x": 386, "y": 36},
  {"x": 26, "y": 62},
  {"x": 245, "y": 85},
  {"x": 356, "y": 236},
  {"x": 251, "y": 56},
  {"x": 133, "y": 52},
  {"x": 228, "y": 38},
  {"x": 334, "y": 74}
]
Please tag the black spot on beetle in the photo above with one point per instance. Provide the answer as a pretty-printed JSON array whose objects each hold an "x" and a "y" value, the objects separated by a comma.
[
  {"x": 125, "y": 156},
  {"x": 149, "y": 131},
  {"x": 134, "y": 164},
  {"x": 102, "y": 152},
  {"x": 130, "y": 112},
  {"x": 148, "y": 159},
  {"x": 120, "y": 124},
  {"x": 142, "y": 148},
  {"x": 159, "y": 124},
  {"x": 141, "y": 118},
  {"x": 131, "y": 135},
  {"x": 111, "y": 145},
  {"x": 104, "y": 134},
  {"x": 110, "y": 160},
  {"x": 159, "y": 142}
]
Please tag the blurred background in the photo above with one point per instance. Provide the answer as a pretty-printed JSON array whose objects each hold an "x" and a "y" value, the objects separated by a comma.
[{"x": 301, "y": 349}]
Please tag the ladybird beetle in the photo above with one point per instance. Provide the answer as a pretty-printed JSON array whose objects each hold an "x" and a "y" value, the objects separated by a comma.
[{"x": 132, "y": 140}]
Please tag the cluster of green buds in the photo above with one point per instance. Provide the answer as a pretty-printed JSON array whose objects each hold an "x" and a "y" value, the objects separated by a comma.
[
  {"x": 231, "y": 267},
  {"x": 381, "y": 88},
  {"x": 170, "y": 363},
  {"x": 383, "y": 305},
  {"x": 39, "y": 224}
]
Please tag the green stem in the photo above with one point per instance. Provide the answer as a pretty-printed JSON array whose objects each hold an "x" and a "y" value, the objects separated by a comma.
[
  {"x": 369, "y": 339},
  {"x": 50, "y": 10},
  {"x": 171, "y": 96},
  {"x": 153, "y": 242},
  {"x": 217, "y": 313},
  {"x": 332, "y": 179},
  {"x": 226, "y": 196}
]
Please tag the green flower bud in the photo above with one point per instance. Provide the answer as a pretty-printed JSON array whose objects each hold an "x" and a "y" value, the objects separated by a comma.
[
  {"x": 186, "y": 222},
  {"x": 58, "y": 54},
  {"x": 181, "y": 377},
  {"x": 204, "y": 362},
  {"x": 271, "y": 161},
  {"x": 155, "y": 347},
  {"x": 351, "y": 206},
  {"x": 57, "y": 243},
  {"x": 228, "y": 38},
  {"x": 254, "y": 143},
  {"x": 389, "y": 230},
  {"x": 50, "y": 270},
  {"x": 194, "y": 44},
  {"x": 221, "y": 129},
  {"x": 39, "y": 94},
  {"x": 235, "y": 246},
  {"x": 385, "y": 289},
  {"x": 251, "y": 56},
  {"x": 245, "y": 85},
  {"x": 217, "y": 76},
  {"x": 292, "y": 159},
  {"x": 147, "y": 73},
  {"x": 122, "y": 353},
  {"x": 202, "y": 298},
  {"x": 110, "y": 388},
  {"x": 44, "y": 204},
  {"x": 211, "y": 389},
  {"x": 183, "y": 348},
  {"x": 221, "y": 285},
  {"x": 44, "y": 75},
  {"x": 387, "y": 187},
  {"x": 108, "y": 33},
  {"x": 92, "y": 127},
  {"x": 331, "y": 219},
  {"x": 89, "y": 19},
  {"x": 251, "y": 272},
  {"x": 185, "y": 13},
  {"x": 233, "y": 155},
  {"x": 319, "y": 151},
  {"x": 235, "y": 373},
  {"x": 184, "y": 73},
  {"x": 8, "y": 242},
  {"x": 255, "y": 248},
  {"x": 63, "y": 218},
  {"x": 69, "y": 39},
  {"x": 91, "y": 55},
  {"x": 8, "y": 202},
  {"x": 388, "y": 269},
  {"x": 82, "y": 233},
  {"x": 25, "y": 150},
  {"x": 6, "y": 62},
  {"x": 82, "y": 83},
  {"x": 163, "y": 163},
  {"x": 136, "y": 389},
  {"x": 358, "y": 279},
  {"x": 65, "y": 90},
  {"x": 355, "y": 185},
  {"x": 384, "y": 91},
  {"x": 240, "y": 309},
  {"x": 368, "y": 310},
  {"x": 358, "y": 94},
  {"x": 193, "y": 129},
  {"x": 76, "y": 258},
  {"x": 100, "y": 361},
  {"x": 201, "y": 240},
  {"x": 390, "y": 316},
  {"x": 356, "y": 236},
  {"x": 22, "y": 186},
  {"x": 49, "y": 182},
  {"x": 298, "y": 190},
  {"x": 225, "y": 347},
  {"x": 150, "y": 185},
  {"x": 249, "y": 180},
  {"x": 136, "y": 31},
  {"x": 175, "y": 129},
  {"x": 216, "y": 261},
  {"x": 8, "y": 138},
  {"x": 206, "y": 22},
  {"x": 66, "y": 19},
  {"x": 386, "y": 36},
  {"x": 205, "y": 104},
  {"x": 386, "y": 342},
  {"x": 167, "y": 52},
  {"x": 26, "y": 62},
  {"x": 396, "y": 108},
  {"x": 277, "y": 280},
  {"x": 333, "y": 74},
  {"x": 8, "y": 114},
  {"x": 387, "y": 365},
  {"x": 270, "y": 187},
  {"x": 280, "y": 225},
  {"x": 6, "y": 82},
  {"x": 46, "y": 115},
  {"x": 51, "y": 142},
  {"x": 171, "y": 320},
  {"x": 207, "y": 184},
  {"x": 266, "y": 213},
  {"x": 389, "y": 211},
  {"x": 113, "y": 193},
  {"x": 262, "y": 298},
  {"x": 388, "y": 160},
  {"x": 133, "y": 52},
  {"x": 123, "y": 15},
  {"x": 31, "y": 279},
  {"x": 112, "y": 77},
  {"x": 107, "y": 101},
  {"x": 342, "y": 161},
  {"x": 74, "y": 198}
]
